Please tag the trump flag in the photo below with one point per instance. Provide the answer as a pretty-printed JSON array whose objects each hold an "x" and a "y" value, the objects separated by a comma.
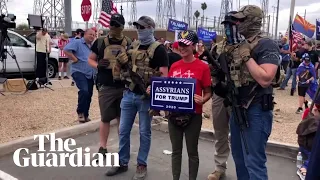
[{"x": 318, "y": 29}]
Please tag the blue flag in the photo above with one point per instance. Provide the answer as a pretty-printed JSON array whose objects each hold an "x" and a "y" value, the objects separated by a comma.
[
  {"x": 205, "y": 35},
  {"x": 318, "y": 29}
]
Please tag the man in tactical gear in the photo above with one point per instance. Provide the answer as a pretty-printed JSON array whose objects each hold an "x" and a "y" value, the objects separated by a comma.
[
  {"x": 253, "y": 62},
  {"x": 108, "y": 54},
  {"x": 220, "y": 119},
  {"x": 147, "y": 58}
]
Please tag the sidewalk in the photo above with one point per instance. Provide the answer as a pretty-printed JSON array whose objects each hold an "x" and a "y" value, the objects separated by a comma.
[{"x": 159, "y": 164}]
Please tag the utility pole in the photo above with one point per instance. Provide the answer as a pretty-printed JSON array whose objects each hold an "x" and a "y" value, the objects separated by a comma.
[
  {"x": 293, "y": 3},
  {"x": 277, "y": 18},
  {"x": 305, "y": 14},
  {"x": 268, "y": 30},
  {"x": 274, "y": 10},
  {"x": 68, "y": 17}
]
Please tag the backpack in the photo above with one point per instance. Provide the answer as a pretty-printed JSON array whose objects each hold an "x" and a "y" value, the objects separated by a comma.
[
  {"x": 306, "y": 131},
  {"x": 100, "y": 41}
]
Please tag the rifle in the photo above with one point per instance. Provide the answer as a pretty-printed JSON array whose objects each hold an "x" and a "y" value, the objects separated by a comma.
[
  {"x": 232, "y": 99},
  {"x": 137, "y": 80}
]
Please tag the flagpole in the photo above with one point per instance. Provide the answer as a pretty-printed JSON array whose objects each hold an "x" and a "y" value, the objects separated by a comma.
[{"x": 293, "y": 3}]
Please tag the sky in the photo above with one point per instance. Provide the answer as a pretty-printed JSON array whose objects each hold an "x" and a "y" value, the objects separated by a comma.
[{"x": 21, "y": 8}]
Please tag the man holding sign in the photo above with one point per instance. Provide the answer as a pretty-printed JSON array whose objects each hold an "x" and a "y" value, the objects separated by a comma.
[{"x": 188, "y": 123}]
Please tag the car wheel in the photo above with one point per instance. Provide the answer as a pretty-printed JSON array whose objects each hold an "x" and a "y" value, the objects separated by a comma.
[{"x": 52, "y": 69}]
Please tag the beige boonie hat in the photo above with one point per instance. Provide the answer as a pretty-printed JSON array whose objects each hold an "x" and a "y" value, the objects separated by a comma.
[
  {"x": 249, "y": 10},
  {"x": 65, "y": 36}
]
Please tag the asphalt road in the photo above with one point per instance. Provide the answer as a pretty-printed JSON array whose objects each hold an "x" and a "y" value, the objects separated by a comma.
[{"x": 158, "y": 168}]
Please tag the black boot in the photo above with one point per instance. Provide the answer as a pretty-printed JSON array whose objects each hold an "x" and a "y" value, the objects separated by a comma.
[{"x": 292, "y": 92}]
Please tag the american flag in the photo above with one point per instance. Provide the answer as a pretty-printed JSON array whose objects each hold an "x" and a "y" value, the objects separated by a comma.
[
  {"x": 296, "y": 37},
  {"x": 108, "y": 8}
]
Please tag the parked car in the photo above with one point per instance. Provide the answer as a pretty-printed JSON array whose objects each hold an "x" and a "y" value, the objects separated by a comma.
[{"x": 25, "y": 55}]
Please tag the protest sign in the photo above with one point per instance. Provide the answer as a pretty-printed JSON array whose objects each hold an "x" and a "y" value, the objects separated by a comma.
[
  {"x": 173, "y": 94},
  {"x": 318, "y": 29},
  {"x": 174, "y": 25},
  {"x": 205, "y": 35}
]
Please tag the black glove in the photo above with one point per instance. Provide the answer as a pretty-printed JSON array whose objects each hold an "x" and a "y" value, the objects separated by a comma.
[
  {"x": 220, "y": 89},
  {"x": 103, "y": 64}
]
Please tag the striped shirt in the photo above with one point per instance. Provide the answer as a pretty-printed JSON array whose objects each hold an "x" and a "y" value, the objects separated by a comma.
[
  {"x": 82, "y": 51},
  {"x": 61, "y": 44}
]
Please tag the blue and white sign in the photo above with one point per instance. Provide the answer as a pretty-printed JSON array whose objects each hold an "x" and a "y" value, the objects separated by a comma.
[
  {"x": 174, "y": 25},
  {"x": 173, "y": 94},
  {"x": 205, "y": 35},
  {"x": 318, "y": 29}
]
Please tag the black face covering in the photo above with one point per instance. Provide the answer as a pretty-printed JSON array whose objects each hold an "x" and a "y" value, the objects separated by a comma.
[{"x": 232, "y": 33}]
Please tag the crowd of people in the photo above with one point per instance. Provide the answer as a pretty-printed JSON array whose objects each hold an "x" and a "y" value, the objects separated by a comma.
[
  {"x": 108, "y": 63},
  {"x": 302, "y": 64}
]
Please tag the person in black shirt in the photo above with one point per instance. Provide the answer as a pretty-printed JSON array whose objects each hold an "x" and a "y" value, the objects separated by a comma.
[
  {"x": 292, "y": 69},
  {"x": 314, "y": 57},
  {"x": 110, "y": 87},
  {"x": 148, "y": 56},
  {"x": 174, "y": 56}
]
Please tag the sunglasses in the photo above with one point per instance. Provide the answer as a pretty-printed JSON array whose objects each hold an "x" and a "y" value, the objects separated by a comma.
[
  {"x": 138, "y": 26},
  {"x": 114, "y": 24},
  {"x": 182, "y": 44}
]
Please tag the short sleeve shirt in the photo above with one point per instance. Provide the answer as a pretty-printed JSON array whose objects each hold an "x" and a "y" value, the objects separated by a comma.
[
  {"x": 266, "y": 52},
  {"x": 196, "y": 70}
]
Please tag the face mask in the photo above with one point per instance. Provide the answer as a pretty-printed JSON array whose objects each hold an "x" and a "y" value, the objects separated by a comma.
[
  {"x": 116, "y": 32},
  {"x": 232, "y": 34},
  {"x": 250, "y": 26},
  {"x": 146, "y": 36}
]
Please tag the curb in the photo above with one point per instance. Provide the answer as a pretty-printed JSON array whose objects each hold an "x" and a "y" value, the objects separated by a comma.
[
  {"x": 27, "y": 142},
  {"x": 273, "y": 148}
]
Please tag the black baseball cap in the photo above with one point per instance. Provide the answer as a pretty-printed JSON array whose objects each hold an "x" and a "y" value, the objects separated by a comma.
[
  {"x": 230, "y": 18},
  {"x": 118, "y": 19}
]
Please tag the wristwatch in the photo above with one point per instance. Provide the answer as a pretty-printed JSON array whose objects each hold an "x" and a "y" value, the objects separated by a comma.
[{"x": 246, "y": 58}]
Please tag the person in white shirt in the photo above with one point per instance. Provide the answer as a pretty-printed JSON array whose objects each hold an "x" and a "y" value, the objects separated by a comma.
[{"x": 43, "y": 49}]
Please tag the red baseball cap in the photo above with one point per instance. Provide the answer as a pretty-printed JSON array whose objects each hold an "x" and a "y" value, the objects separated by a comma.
[{"x": 175, "y": 45}]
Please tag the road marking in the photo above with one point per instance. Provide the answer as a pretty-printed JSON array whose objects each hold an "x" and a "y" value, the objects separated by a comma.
[{"x": 6, "y": 176}]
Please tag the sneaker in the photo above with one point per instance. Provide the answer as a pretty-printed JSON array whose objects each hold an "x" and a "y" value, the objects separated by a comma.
[
  {"x": 102, "y": 151},
  {"x": 66, "y": 77},
  {"x": 216, "y": 175},
  {"x": 81, "y": 118},
  {"x": 280, "y": 89},
  {"x": 292, "y": 92},
  {"x": 141, "y": 173},
  {"x": 116, "y": 170},
  {"x": 306, "y": 104},
  {"x": 301, "y": 176},
  {"x": 59, "y": 77},
  {"x": 87, "y": 119},
  {"x": 299, "y": 110}
]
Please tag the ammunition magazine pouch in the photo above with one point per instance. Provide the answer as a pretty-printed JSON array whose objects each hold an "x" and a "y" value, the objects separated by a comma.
[
  {"x": 180, "y": 119},
  {"x": 267, "y": 102}
]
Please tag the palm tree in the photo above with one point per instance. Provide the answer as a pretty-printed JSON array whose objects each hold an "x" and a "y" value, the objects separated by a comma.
[
  {"x": 203, "y": 7},
  {"x": 196, "y": 15}
]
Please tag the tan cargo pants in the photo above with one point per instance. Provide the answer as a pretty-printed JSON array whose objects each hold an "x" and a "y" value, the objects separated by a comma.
[{"x": 220, "y": 117}]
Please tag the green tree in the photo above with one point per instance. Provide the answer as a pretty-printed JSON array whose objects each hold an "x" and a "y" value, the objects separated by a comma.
[
  {"x": 197, "y": 15},
  {"x": 23, "y": 26},
  {"x": 203, "y": 7}
]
